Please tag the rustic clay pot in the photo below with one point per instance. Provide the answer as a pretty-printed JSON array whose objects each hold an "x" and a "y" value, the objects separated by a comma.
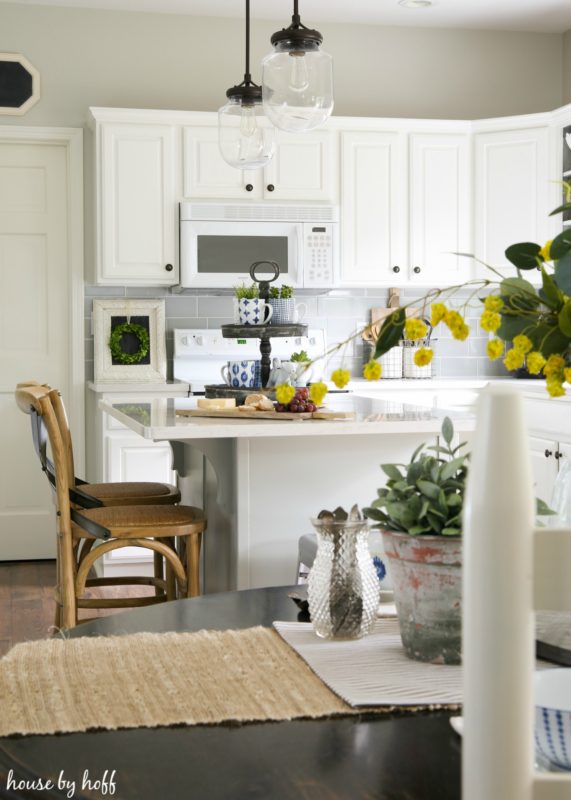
[{"x": 427, "y": 580}]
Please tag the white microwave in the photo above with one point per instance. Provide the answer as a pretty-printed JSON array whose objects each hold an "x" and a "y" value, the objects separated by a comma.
[{"x": 220, "y": 241}]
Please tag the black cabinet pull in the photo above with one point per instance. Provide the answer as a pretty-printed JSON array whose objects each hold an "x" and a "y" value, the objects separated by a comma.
[
  {"x": 396, "y": 269},
  {"x": 558, "y": 455},
  {"x": 417, "y": 270},
  {"x": 270, "y": 187},
  {"x": 169, "y": 267},
  {"x": 249, "y": 187},
  {"x": 548, "y": 453}
]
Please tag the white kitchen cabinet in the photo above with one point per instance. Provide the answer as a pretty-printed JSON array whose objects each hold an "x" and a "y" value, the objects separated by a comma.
[
  {"x": 512, "y": 193},
  {"x": 544, "y": 465},
  {"x": 439, "y": 208},
  {"x": 303, "y": 169},
  {"x": 405, "y": 208},
  {"x": 373, "y": 208},
  {"x": 115, "y": 453},
  {"x": 136, "y": 204}
]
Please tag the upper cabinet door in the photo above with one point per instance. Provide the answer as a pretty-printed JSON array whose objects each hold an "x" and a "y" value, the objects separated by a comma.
[
  {"x": 207, "y": 175},
  {"x": 440, "y": 192},
  {"x": 512, "y": 194},
  {"x": 302, "y": 168},
  {"x": 373, "y": 208},
  {"x": 137, "y": 205}
]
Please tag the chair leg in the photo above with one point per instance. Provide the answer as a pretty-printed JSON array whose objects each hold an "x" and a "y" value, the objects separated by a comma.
[
  {"x": 193, "y": 564},
  {"x": 170, "y": 576},
  {"x": 158, "y": 571},
  {"x": 67, "y": 585}
]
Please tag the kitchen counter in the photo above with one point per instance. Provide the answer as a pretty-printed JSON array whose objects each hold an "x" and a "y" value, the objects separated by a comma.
[
  {"x": 261, "y": 481},
  {"x": 156, "y": 418}
]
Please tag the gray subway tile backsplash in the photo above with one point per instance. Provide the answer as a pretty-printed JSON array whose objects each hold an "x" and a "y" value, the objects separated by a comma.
[{"x": 341, "y": 313}]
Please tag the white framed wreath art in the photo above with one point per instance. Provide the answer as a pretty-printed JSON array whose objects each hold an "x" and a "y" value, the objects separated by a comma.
[{"x": 129, "y": 340}]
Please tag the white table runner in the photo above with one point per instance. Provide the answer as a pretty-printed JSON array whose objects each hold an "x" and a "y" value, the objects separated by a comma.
[{"x": 374, "y": 671}]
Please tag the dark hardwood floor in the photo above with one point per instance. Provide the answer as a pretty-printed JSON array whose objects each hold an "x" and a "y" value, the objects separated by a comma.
[{"x": 27, "y": 604}]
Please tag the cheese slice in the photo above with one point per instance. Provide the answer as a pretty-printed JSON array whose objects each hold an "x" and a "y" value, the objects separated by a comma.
[{"x": 216, "y": 402}]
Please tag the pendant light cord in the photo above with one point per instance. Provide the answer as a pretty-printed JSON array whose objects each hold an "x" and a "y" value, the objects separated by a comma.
[{"x": 247, "y": 76}]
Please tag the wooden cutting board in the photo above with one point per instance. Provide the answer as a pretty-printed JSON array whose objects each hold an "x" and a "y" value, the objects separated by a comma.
[{"x": 234, "y": 413}]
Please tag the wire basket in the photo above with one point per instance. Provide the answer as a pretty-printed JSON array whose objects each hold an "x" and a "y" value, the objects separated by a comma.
[
  {"x": 410, "y": 370},
  {"x": 391, "y": 363}
]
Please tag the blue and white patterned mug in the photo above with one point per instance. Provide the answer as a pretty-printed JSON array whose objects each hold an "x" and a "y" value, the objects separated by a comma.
[
  {"x": 254, "y": 311},
  {"x": 242, "y": 374}
]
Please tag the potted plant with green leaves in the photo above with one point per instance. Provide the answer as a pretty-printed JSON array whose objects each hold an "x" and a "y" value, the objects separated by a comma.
[
  {"x": 419, "y": 512},
  {"x": 303, "y": 370},
  {"x": 285, "y": 309},
  {"x": 250, "y": 309}
]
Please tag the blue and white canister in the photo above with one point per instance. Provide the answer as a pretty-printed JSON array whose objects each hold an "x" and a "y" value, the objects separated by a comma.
[{"x": 286, "y": 312}]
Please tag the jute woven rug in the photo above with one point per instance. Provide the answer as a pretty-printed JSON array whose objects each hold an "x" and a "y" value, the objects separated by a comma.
[{"x": 151, "y": 680}]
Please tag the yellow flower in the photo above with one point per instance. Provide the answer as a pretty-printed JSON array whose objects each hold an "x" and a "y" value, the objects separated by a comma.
[
  {"x": 340, "y": 377},
  {"x": 493, "y": 303},
  {"x": 453, "y": 318},
  {"x": 284, "y": 393},
  {"x": 415, "y": 329},
  {"x": 567, "y": 373},
  {"x": 534, "y": 362},
  {"x": 490, "y": 321},
  {"x": 514, "y": 359},
  {"x": 554, "y": 367},
  {"x": 317, "y": 392},
  {"x": 460, "y": 331},
  {"x": 495, "y": 349},
  {"x": 545, "y": 251},
  {"x": 555, "y": 387},
  {"x": 523, "y": 343},
  {"x": 438, "y": 312},
  {"x": 372, "y": 371},
  {"x": 423, "y": 356}
]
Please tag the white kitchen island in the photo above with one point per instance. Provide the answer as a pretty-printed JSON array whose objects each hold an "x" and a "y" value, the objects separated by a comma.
[{"x": 260, "y": 481}]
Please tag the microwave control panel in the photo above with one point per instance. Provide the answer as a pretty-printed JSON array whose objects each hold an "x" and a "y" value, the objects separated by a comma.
[{"x": 318, "y": 248}]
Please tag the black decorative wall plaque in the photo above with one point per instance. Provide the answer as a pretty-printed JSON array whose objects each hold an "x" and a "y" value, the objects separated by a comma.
[{"x": 19, "y": 84}]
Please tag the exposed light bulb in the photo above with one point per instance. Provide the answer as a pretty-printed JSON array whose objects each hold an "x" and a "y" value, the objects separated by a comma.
[
  {"x": 298, "y": 73},
  {"x": 248, "y": 124}
]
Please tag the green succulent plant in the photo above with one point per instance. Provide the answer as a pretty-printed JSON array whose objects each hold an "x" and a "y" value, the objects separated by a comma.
[
  {"x": 244, "y": 292},
  {"x": 301, "y": 357},
  {"x": 281, "y": 292},
  {"x": 425, "y": 496}
]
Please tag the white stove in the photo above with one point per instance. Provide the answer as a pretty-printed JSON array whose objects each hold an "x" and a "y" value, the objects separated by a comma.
[{"x": 200, "y": 354}]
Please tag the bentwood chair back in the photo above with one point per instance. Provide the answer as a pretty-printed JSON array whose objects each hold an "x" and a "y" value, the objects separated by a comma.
[
  {"x": 510, "y": 569},
  {"x": 153, "y": 527}
]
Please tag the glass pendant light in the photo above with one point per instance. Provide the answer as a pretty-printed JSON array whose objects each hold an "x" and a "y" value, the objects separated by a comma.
[
  {"x": 245, "y": 143},
  {"x": 297, "y": 78}
]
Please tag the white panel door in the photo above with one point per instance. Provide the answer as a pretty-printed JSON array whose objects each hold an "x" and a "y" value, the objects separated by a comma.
[
  {"x": 512, "y": 194},
  {"x": 439, "y": 209},
  {"x": 34, "y": 331},
  {"x": 138, "y": 209},
  {"x": 207, "y": 175},
  {"x": 302, "y": 169},
  {"x": 373, "y": 208},
  {"x": 130, "y": 458}
]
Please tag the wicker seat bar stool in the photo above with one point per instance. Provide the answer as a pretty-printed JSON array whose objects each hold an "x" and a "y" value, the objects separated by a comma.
[{"x": 85, "y": 534}]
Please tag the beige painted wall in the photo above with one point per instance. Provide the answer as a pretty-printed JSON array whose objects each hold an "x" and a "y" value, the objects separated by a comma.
[
  {"x": 567, "y": 67},
  {"x": 104, "y": 58}
]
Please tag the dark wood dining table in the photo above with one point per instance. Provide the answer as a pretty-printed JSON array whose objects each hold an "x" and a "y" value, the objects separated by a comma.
[{"x": 369, "y": 757}]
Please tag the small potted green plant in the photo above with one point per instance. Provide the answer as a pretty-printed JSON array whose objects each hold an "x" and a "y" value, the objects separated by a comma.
[
  {"x": 419, "y": 512},
  {"x": 285, "y": 309},
  {"x": 304, "y": 370},
  {"x": 251, "y": 310}
]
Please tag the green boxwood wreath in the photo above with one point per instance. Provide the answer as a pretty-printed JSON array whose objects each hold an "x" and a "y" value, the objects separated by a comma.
[{"x": 117, "y": 337}]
